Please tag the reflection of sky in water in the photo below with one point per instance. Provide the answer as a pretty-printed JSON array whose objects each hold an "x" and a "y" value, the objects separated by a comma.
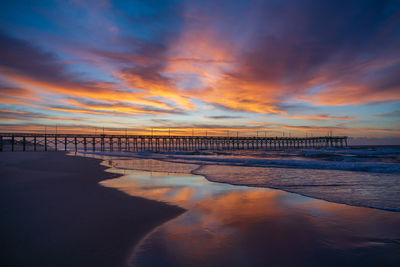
[
  {"x": 228, "y": 225},
  {"x": 184, "y": 190},
  {"x": 359, "y": 188}
]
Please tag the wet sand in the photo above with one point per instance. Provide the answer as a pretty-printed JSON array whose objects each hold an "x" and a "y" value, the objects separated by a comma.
[
  {"x": 228, "y": 225},
  {"x": 55, "y": 213}
]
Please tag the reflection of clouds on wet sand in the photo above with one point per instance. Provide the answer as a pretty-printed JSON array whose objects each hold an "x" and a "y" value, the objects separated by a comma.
[
  {"x": 185, "y": 190},
  {"x": 234, "y": 225},
  {"x": 259, "y": 228}
]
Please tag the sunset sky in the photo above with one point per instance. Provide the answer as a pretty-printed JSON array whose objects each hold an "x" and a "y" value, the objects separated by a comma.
[{"x": 280, "y": 66}]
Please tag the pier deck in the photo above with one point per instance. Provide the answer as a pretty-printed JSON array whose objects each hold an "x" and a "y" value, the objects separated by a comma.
[{"x": 156, "y": 143}]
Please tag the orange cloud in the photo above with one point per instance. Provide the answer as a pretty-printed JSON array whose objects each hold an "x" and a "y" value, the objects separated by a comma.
[{"x": 321, "y": 117}]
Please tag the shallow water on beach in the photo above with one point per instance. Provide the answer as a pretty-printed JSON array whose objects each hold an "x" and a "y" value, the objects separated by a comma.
[
  {"x": 228, "y": 225},
  {"x": 368, "y": 177}
]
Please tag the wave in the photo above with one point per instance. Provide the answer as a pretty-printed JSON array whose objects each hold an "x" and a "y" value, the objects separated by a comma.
[
  {"x": 291, "y": 163},
  {"x": 242, "y": 160},
  {"x": 372, "y": 190}
]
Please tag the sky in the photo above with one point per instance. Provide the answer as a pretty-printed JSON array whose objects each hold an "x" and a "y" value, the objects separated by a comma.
[{"x": 272, "y": 68}]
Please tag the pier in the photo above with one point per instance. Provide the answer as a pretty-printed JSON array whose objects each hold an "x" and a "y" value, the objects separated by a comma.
[{"x": 157, "y": 143}]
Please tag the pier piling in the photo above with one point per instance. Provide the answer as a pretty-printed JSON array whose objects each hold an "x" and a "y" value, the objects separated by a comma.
[{"x": 14, "y": 141}]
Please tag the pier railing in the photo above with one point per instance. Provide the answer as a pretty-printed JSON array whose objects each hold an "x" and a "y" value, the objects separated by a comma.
[{"x": 157, "y": 143}]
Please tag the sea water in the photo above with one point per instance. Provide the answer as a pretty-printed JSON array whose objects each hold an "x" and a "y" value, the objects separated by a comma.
[{"x": 362, "y": 176}]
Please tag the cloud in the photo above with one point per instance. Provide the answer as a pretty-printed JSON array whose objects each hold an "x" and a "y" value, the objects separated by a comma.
[
  {"x": 294, "y": 54},
  {"x": 29, "y": 66},
  {"x": 337, "y": 130},
  {"x": 289, "y": 59},
  {"x": 395, "y": 114},
  {"x": 20, "y": 115},
  {"x": 322, "y": 117},
  {"x": 223, "y": 117},
  {"x": 24, "y": 63},
  {"x": 15, "y": 92},
  {"x": 120, "y": 107}
]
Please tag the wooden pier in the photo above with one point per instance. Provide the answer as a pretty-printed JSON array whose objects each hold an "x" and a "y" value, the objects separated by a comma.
[{"x": 157, "y": 143}]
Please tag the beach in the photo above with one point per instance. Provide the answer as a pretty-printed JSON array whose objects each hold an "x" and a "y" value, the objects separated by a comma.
[
  {"x": 54, "y": 212},
  {"x": 229, "y": 223},
  {"x": 200, "y": 133},
  {"x": 106, "y": 209}
]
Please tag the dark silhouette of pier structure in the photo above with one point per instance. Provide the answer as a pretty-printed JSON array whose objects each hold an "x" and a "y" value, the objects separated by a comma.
[{"x": 157, "y": 143}]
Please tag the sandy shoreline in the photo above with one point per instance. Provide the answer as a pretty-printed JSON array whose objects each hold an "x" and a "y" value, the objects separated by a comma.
[{"x": 55, "y": 213}]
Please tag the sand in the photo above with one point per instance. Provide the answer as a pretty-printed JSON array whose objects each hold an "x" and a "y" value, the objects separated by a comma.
[{"x": 55, "y": 213}]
